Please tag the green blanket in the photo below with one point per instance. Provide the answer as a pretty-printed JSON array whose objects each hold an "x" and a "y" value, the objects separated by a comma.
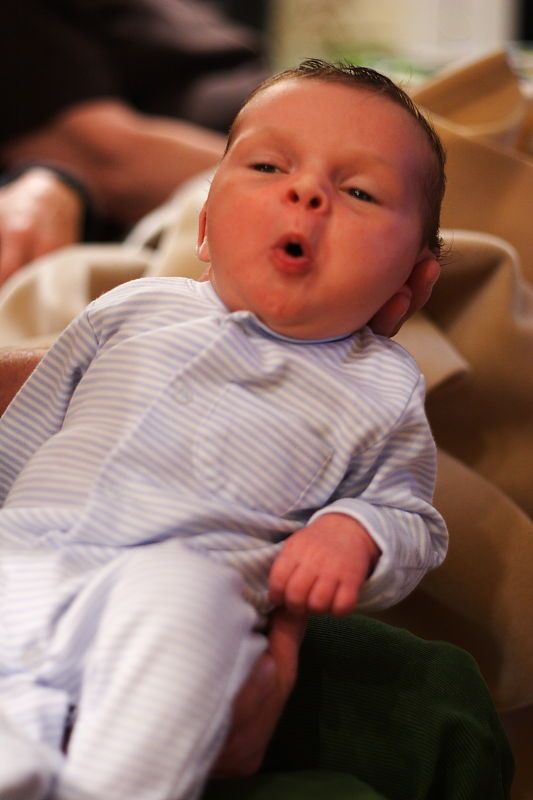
[{"x": 378, "y": 713}]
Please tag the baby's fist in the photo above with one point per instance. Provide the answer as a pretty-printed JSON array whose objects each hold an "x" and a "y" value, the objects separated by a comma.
[{"x": 322, "y": 567}]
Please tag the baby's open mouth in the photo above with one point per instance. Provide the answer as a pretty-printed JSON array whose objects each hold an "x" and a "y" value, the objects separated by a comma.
[
  {"x": 294, "y": 245},
  {"x": 292, "y": 254},
  {"x": 294, "y": 249}
]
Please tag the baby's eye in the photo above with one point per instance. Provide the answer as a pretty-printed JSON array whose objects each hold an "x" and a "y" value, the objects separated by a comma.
[
  {"x": 264, "y": 167},
  {"x": 360, "y": 194}
]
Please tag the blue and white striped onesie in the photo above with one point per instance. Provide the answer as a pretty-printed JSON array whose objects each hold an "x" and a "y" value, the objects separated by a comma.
[{"x": 150, "y": 469}]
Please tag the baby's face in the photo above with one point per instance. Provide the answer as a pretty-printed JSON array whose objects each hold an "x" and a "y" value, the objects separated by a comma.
[{"x": 314, "y": 217}]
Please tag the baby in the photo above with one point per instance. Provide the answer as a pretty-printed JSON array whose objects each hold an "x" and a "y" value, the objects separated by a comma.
[{"x": 189, "y": 454}]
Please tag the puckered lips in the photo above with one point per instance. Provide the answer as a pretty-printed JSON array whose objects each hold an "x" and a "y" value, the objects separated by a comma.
[{"x": 292, "y": 254}]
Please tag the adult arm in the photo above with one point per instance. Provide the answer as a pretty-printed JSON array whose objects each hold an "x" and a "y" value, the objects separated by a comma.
[
  {"x": 15, "y": 368},
  {"x": 130, "y": 162}
]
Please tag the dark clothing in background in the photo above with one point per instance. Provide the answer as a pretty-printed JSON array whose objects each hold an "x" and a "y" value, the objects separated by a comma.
[{"x": 176, "y": 58}]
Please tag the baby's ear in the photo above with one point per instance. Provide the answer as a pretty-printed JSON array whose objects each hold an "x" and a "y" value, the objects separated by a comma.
[{"x": 202, "y": 245}]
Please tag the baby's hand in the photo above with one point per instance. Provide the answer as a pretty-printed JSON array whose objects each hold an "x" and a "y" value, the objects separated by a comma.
[{"x": 322, "y": 567}]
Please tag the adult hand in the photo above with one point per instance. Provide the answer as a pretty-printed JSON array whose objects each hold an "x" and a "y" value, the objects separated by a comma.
[
  {"x": 38, "y": 213},
  {"x": 390, "y": 318},
  {"x": 260, "y": 702}
]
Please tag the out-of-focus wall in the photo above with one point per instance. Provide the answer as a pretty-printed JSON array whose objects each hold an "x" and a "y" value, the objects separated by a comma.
[{"x": 434, "y": 31}]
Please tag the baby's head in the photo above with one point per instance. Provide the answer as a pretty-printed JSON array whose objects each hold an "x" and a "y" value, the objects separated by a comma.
[
  {"x": 433, "y": 181},
  {"x": 328, "y": 195}
]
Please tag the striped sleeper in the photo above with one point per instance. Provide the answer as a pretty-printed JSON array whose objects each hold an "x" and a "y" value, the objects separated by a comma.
[{"x": 150, "y": 470}]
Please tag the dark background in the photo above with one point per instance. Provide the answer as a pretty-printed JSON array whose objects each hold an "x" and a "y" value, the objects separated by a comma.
[
  {"x": 252, "y": 12},
  {"x": 526, "y": 21}
]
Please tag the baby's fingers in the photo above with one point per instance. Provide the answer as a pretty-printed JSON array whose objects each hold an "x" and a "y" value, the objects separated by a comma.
[
  {"x": 345, "y": 599},
  {"x": 281, "y": 571},
  {"x": 322, "y": 595},
  {"x": 298, "y": 589}
]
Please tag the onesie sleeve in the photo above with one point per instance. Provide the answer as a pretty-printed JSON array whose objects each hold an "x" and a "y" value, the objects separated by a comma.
[
  {"x": 38, "y": 409},
  {"x": 395, "y": 507}
]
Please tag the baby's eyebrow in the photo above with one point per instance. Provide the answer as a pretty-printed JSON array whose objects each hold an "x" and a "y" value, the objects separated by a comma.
[
  {"x": 364, "y": 157},
  {"x": 352, "y": 163},
  {"x": 268, "y": 135},
  {"x": 359, "y": 158}
]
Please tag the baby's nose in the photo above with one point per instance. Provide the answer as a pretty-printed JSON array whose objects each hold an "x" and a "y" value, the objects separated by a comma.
[{"x": 309, "y": 193}]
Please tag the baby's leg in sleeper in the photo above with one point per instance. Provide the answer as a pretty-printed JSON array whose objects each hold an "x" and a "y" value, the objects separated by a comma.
[
  {"x": 174, "y": 643},
  {"x": 27, "y": 767}
]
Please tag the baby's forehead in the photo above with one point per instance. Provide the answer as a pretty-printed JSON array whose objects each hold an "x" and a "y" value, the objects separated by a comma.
[
  {"x": 276, "y": 101},
  {"x": 276, "y": 94},
  {"x": 252, "y": 107},
  {"x": 292, "y": 109}
]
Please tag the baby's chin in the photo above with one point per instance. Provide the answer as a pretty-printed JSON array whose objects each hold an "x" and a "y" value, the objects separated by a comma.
[{"x": 289, "y": 316}]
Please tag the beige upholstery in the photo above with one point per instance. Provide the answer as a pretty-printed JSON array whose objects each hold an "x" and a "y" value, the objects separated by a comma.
[{"x": 481, "y": 99}]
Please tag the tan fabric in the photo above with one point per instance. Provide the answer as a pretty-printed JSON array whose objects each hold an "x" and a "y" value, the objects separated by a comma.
[
  {"x": 482, "y": 598},
  {"x": 40, "y": 300},
  {"x": 474, "y": 344},
  {"x": 481, "y": 99},
  {"x": 482, "y": 415},
  {"x": 489, "y": 189},
  {"x": 485, "y": 418}
]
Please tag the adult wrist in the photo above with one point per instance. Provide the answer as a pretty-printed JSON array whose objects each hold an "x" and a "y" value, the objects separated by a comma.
[{"x": 68, "y": 179}]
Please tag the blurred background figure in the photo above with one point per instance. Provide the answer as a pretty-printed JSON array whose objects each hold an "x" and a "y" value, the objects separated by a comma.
[{"x": 108, "y": 106}]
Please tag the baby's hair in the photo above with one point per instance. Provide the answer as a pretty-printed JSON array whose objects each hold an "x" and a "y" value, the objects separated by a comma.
[{"x": 375, "y": 82}]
